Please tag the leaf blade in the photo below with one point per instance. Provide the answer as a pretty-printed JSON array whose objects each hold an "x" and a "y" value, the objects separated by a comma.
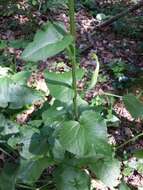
[{"x": 47, "y": 43}]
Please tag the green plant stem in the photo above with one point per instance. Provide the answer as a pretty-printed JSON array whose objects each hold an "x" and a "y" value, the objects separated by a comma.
[
  {"x": 73, "y": 56},
  {"x": 130, "y": 140},
  {"x": 25, "y": 186},
  {"x": 114, "y": 95}
]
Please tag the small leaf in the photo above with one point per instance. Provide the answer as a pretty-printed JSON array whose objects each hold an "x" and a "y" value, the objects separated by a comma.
[
  {"x": 69, "y": 178},
  {"x": 133, "y": 105},
  {"x": 47, "y": 43},
  {"x": 108, "y": 171}
]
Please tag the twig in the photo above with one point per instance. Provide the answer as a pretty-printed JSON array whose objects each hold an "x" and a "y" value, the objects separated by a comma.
[
  {"x": 130, "y": 140},
  {"x": 118, "y": 16}
]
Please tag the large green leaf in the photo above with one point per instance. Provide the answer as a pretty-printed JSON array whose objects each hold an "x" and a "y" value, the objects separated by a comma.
[
  {"x": 30, "y": 170},
  {"x": 86, "y": 138},
  {"x": 48, "y": 42},
  {"x": 15, "y": 95},
  {"x": 133, "y": 105},
  {"x": 69, "y": 178},
  {"x": 8, "y": 177},
  {"x": 64, "y": 79},
  {"x": 108, "y": 171}
]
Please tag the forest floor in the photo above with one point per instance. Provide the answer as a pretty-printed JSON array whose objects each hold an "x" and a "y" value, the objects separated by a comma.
[{"x": 121, "y": 66}]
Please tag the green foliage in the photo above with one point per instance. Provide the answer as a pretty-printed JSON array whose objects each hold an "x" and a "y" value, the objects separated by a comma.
[
  {"x": 8, "y": 176},
  {"x": 16, "y": 95},
  {"x": 69, "y": 178},
  {"x": 74, "y": 145},
  {"x": 49, "y": 4},
  {"x": 8, "y": 127},
  {"x": 134, "y": 30},
  {"x": 123, "y": 186},
  {"x": 138, "y": 153},
  {"x": 30, "y": 170},
  {"x": 49, "y": 41},
  {"x": 91, "y": 4},
  {"x": 118, "y": 68},
  {"x": 8, "y": 7},
  {"x": 60, "y": 84},
  {"x": 107, "y": 171},
  {"x": 133, "y": 165},
  {"x": 86, "y": 137}
]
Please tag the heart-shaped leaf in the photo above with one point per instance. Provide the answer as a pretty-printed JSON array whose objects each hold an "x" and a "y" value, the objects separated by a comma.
[{"x": 86, "y": 138}]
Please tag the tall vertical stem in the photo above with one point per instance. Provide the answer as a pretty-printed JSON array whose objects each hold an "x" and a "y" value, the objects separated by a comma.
[{"x": 73, "y": 55}]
